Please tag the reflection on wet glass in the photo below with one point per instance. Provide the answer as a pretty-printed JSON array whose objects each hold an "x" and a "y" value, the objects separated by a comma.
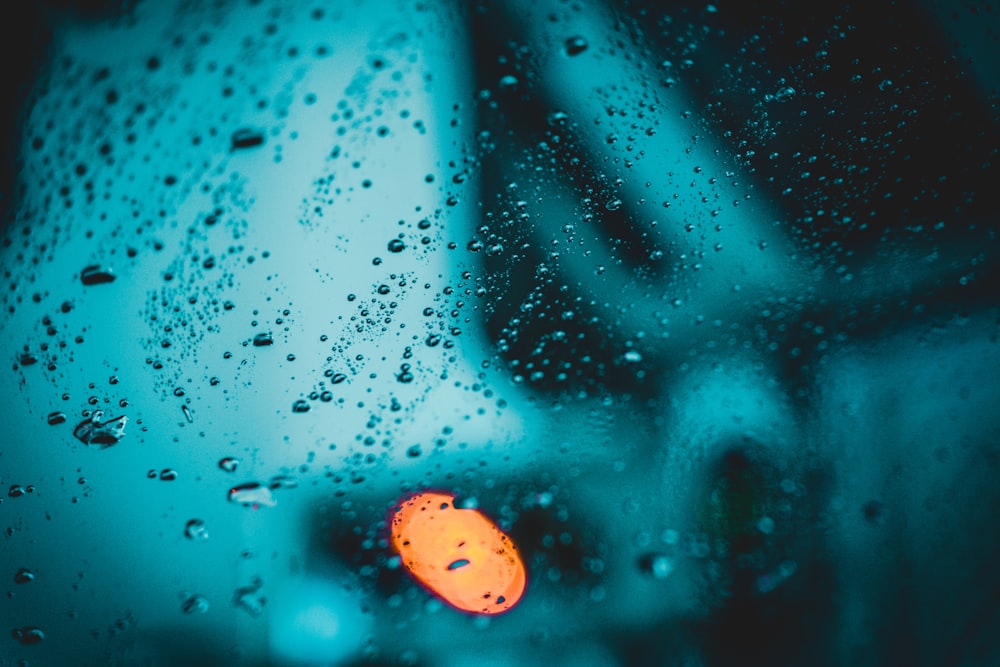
[{"x": 693, "y": 304}]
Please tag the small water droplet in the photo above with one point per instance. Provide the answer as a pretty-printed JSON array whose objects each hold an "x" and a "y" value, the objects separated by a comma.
[
  {"x": 250, "y": 599},
  {"x": 196, "y": 604},
  {"x": 168, "y": 475},
  {"x": 229, "y": 464},
  {"x": 263, "y": 339},
  {"x": 784, "y": 94},
  {"x": 300, "y": 406},
  {"x": 557, "y": 118},
  {"x": 282, "y": 482},
  {"x": 96, "y": 275},
  {"x": 24, "y": 576},
  {"x": 396, "y": 245},
  {"x": 56, "y": 418},
  {"x": 576, "y": 45},
  {"x": 508, "y": 83},
  {"x": 404, "y": 376},
  {"x": 196, "y": 530},
  {"x": 657, "y": 566}
]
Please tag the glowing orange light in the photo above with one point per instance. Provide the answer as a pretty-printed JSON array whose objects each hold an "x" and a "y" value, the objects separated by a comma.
[{"x": 459, "y": 554}]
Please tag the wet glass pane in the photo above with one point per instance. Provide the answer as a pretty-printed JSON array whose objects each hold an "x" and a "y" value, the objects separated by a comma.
[{"x": 500, "y": 333}]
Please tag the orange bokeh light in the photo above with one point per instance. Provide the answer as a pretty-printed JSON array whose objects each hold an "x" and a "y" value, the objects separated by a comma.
[{"x": 459, "y": 554}]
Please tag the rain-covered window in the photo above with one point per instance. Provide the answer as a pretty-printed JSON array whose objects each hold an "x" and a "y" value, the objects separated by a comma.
[{"x": 500, "y": 333}]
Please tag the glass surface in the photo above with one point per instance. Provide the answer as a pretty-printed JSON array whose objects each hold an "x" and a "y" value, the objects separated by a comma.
[{"x": 694, "y": 303}]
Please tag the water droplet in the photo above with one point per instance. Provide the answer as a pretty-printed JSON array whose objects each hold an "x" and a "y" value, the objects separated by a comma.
[
  {"x": 196, "y": 604},
  {"x": 27, "y": 359},
  {"x": 396, "y": 245},
  {"x": 16, "y": 491},
  {"x": 93, "y": 431},
  {"x": 633, "y": 356},
  {"x": 613, "y": 204},
  {"x": 168, "y": 475},
  {"x": 414, "y": 451},
  {"x": 28, "y": 635},
  {"x": 187, "y": 414},
  {"x": 24, "y": 576},
  {"x": 557, "y": 118},
  {"x": 96, "y": 275},
  {"x": 196, "y": 530},
  {"x": 338, "y": 378},
  {"x": 283, "y": 482},
  {"x": 507, "y": 83},
  {"x": 229, "y": 464},
  {"x": 300, "y": 406},
  {"x": 250, "y": 599},
  {"x": 56, "y": 418},
  {"x": 404, "y": 375},
  {"x": 263, "y": 339},
  {"x": 576, "y": 45},
  {"x": 657, "y": 566},
  {"x": 246, "y": 137},
  {"x": 783, "y": 94},
  {"x": 252, "y": 494}
]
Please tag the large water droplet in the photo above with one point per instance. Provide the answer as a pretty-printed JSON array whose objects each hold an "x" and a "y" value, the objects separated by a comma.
[
  {"x": 24, "y": 576},
  {"x": 96, "y": 275},
  {"x": 247, "y": 137},
  {"x": 56, "y": 418},
  {"x": 28, "y": 635},
  {"x": 93, "y": 431},
  {"x": 263, "y": 339},
  {"x": 252, "y": 494}
]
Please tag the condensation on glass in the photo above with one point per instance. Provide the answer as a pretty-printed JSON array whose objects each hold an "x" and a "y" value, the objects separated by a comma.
[{"x": 685, "y": 315}]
